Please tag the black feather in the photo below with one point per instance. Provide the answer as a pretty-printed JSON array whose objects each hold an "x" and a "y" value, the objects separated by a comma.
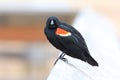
[{"x": 73, "y": 45}]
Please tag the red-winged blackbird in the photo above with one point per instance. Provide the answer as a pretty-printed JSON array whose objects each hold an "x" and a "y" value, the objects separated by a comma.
[{"x": 67, "y": 39}]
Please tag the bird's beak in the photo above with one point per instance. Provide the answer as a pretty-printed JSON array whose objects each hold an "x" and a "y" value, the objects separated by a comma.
[{"x": 51, "y": 22}]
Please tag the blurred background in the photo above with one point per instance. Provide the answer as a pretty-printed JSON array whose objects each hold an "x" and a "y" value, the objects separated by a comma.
[{"x": 25, "y": 54}]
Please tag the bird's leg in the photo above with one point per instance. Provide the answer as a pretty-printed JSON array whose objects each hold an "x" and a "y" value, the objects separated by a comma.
[{"x": 61, "y": 57}]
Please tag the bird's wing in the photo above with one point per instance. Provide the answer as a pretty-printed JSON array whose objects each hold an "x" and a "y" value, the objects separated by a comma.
[
  {"x": 80, "y": 40},
  {"x": 76, "y": 35},
  {"x": 73, "y": 46},
  {"x": 72, "y": 29}
]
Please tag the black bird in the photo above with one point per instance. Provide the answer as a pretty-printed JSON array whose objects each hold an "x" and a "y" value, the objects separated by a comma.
[{"x": 67, "y": 39}]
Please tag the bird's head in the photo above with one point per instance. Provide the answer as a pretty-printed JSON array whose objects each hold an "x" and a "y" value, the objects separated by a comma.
[{"x": 52, "y": 22}]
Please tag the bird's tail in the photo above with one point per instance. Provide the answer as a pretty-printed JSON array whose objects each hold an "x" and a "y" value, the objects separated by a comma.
[{"x": 91, "y": 61}]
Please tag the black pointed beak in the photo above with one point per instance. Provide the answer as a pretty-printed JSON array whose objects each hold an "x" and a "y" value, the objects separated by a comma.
[{"x": 52, "y": 22}]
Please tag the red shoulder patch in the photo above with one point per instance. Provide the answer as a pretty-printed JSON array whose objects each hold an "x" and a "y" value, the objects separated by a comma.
[{"x": 61, "y": 31}]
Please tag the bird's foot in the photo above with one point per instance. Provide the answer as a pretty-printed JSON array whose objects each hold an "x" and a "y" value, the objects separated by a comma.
[{"x": 64, "y": 59}]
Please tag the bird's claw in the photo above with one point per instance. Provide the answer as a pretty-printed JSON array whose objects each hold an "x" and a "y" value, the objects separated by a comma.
[{"x": 64, "y": 59}]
